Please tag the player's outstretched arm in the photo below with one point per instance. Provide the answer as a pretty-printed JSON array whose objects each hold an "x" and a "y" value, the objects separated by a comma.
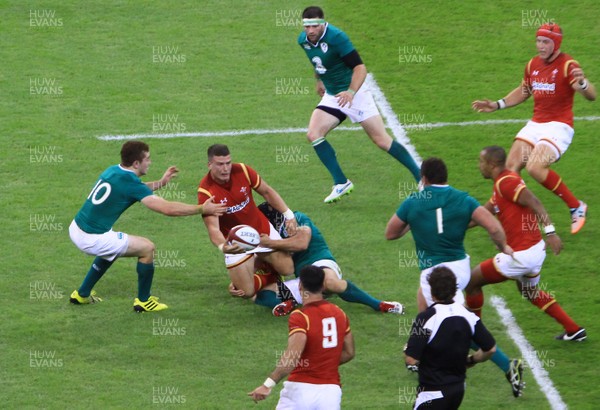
[
  {"x": 515, "y": 97},
  {"x": 171, "y": 208}
]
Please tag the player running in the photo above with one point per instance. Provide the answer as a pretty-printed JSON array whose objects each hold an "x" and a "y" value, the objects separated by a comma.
[
  {"x": 519, "y": 211},
  {"x": 116, "y": 190},
  {"x": 340, "y": 75},
  {"x": 319, "y": 341},
  {"x": 438, "y": 217},
  {"x": 552, "y": 78}
]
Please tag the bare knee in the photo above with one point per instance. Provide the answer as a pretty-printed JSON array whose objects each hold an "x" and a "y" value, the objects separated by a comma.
[
  {"x": 334, "y": 284},
  {"x": 147, "y": 251}
]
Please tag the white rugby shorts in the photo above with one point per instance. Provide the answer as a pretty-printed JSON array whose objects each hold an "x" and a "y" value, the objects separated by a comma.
[
  {"x": 363, "y": 105},
  {"x": 109, "y": 245},
  {"x": 556, "y": 135},
  {"x": 525, "y": 266},
  {"x": 294, "y": 284},
  {"x": 308, "y": 396},
  {"x": 462, "y": 271}
]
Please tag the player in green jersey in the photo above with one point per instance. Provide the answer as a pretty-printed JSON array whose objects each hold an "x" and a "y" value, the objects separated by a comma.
[
  {"x": 438, "y": 217},
  {"x": 340, "y": 75},
  {"x": 308, "y": 247},
  {"x": 116, "y": 190}
]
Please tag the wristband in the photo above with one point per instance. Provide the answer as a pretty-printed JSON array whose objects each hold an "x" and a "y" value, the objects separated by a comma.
[
  {"x": 549, "y": 230},
  {"x": 201, "y": 208},
  {"x": 584, "y": 85},
  {"x": 269, "y": 383},
  {"x": 501, "y": 104},
  {"x": 221, "y": 246},
  {"x": 288, "y": 215},
  {"x": 351, "y": 91}
]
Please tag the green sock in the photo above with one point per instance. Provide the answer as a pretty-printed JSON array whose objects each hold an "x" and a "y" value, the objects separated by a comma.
[
  {"x": 499, "y": 358},
  {"x": 145, "y": 273},
  {"x": 326, "y": 154},
  {"x": 401, "y": 154},
  {"x": 354, "y": 294},
  {"x": 267, "y": 298},
  {"x": 99, "y": 266}
]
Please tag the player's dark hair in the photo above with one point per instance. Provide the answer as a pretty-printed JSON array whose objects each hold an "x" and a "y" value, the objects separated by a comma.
[
  {"x": 443, "y": 284},
  {"x": 312, "y": 278},
  {"x": 313, "y": 12},
  {"x": 495, "y": 155},
  {"x": 217, "y": 150},
  {"x": 133, "y": 151},
  {"x": 275, "y": 217},
  {"x": 434, "y": 169}
]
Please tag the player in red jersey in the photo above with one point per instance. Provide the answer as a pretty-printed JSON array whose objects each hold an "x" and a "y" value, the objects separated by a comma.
[
  {"x": 519, "y": 212},
  {"x": 232, "y": 185},
  {"x": 319, "y": 341},
  {"x": 552, "y": 78}
]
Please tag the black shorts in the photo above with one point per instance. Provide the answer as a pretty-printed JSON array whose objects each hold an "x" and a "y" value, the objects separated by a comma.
[{"x": 449, "y": 397}]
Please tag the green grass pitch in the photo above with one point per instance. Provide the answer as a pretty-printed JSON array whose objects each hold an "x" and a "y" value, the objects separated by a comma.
[{"x": 76, "y": 70}]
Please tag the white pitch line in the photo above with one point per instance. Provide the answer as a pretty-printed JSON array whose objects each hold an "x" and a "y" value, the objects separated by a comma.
[
  {"x": 391, "y": 118},
  {"x": 399, "y": 132},
  {"x": 234, "y": 133},
  {"x": 529, "y": 354}
]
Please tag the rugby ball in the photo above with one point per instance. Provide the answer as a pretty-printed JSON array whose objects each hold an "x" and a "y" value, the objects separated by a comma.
[{"x": 245, "y": 236}]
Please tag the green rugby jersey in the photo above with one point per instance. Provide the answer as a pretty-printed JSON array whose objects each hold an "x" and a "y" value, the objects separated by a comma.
[
  {"x": 317, "y": 247},
  {"x": 439, "y": 217},
  {"x": 326, "y": 57},
  {"x": 116, "y": 190}
]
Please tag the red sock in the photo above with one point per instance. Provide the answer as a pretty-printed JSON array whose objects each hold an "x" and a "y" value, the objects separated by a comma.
[
  {"x": 550, "y": 306},
  {"x": 260, "y": 281},
  {"x": 554, "y": 183},
  {"x": 475, "y": 302}
]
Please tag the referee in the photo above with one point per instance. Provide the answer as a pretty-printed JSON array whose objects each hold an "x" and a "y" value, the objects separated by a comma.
[{"x": 439, "y": 343}]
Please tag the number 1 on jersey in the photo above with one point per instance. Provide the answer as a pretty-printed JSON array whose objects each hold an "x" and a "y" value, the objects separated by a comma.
[{"x": 440, "y": 220}]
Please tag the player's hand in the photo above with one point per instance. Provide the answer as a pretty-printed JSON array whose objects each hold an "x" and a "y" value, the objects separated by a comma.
[
  {"x": 210, "y": 208},
  {"x": 508, "y": 251},
  {"x": 578, "y": 75},
  {"x": 320, "y": 88},
  {"x": 344, "y": 98},
  {"x": 169, "y": 174},
  {"x": 484, "y": 105},
  {"x": 233, "y": 291},
  {"x": 232, "y": 248},
  {"x": 555, "y": 243},
  {"x": 291, "y": 226},
  {"x": 260, "y": 393}
]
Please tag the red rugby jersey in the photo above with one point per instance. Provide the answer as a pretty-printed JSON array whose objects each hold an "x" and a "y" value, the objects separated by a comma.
[
  {"x": 237, "y": 195},
  {"x": 550, "y": 85},
  {"x": 325, "y": 325},
  {"x": 519, "y": 222}
]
